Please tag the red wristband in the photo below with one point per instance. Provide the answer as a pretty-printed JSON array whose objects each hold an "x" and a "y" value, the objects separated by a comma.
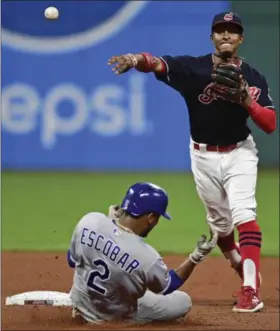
[{"x": 149, "y": 64}]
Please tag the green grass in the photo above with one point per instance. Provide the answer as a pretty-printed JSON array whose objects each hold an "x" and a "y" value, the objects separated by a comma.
[{"x": 40, "y": 210}]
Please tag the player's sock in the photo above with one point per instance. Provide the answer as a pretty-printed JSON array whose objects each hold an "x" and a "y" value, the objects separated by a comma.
[
  {"x": 228, "y": 247},
  {"x": 250, "y": 238}
]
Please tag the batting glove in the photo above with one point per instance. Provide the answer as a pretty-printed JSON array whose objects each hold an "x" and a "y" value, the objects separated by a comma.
[
  {"x": 204, "y": 247},
  {"x": 115, "y": 212}
]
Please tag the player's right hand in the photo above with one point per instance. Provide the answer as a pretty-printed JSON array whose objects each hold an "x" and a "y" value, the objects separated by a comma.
[
  {"x": 204, "y": 247},
  {"x": 124, "y": 63}
]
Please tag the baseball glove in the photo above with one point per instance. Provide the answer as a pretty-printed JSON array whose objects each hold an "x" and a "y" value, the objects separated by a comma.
[{"x": 229, "y": 83}]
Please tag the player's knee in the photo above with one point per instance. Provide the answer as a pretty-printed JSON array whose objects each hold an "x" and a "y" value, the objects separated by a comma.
[
  {"x": 243, "y": 215},
  {"x": 187, "y": 305},
  {"x": 184, "y": 304},
  {"x": 223, "y": 228},
  {"x": 225, "y": 232}
]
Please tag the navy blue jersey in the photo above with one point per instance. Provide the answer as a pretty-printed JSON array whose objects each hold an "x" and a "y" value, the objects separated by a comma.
[{"x": 213, "y": 120}]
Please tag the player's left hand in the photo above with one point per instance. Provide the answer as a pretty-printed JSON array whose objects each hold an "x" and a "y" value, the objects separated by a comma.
[
  {"x": 114, "y": 212},
  {"x": 204, "y": 246},
  {"x": 229, "y": 83}
]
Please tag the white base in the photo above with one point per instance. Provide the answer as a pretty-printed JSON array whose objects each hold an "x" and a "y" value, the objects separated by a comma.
[{"x": 45, "y": 298}]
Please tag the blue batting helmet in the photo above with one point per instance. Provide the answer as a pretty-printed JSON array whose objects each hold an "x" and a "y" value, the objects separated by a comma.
[{"x": 142, "y": 198}]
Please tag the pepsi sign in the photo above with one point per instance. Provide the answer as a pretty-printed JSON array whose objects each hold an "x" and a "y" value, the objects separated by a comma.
[{"x": 62, "y": 106}]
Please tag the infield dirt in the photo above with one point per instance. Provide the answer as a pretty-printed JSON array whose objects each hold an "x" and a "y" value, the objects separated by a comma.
[{"x": 211, "y": 288}]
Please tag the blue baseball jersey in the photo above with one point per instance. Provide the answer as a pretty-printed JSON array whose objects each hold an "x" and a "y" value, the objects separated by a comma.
[{"x": 213, "y": 120}]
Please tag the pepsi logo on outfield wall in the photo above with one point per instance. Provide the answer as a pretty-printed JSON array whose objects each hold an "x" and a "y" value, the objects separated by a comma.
[{"x": 81, "y": 24}]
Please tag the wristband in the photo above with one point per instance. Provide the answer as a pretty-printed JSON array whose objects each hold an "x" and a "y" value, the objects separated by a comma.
[
  {"x": 193, "y": 260},
  {"x": 134, "y": 59},
  {"x": 174, "y": 283},
  {"x": 149, "y": 63}
]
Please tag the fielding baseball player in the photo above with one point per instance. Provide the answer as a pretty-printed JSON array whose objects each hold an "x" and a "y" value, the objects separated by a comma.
[
  {"x": 221, "y": 92},
  {"x": 119, "y": 277}
]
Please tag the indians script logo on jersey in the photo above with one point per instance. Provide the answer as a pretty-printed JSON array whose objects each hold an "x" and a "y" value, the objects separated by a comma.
[
  {"x": 80, "y": 25},
  {"x": 208, "y": 95}
]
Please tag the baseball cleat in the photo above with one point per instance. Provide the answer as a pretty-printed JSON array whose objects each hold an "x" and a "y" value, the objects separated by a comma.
[{"x": 248, "y": 301}]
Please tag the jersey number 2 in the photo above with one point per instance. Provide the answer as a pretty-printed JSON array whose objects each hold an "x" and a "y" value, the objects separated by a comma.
[{"x": 102, "y": 274}]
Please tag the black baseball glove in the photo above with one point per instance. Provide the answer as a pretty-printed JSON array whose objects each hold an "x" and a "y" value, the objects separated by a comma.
[{"x": 229, "y": 83}]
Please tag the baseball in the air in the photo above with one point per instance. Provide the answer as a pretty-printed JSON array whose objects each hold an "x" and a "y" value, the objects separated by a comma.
[{"x": 51, "y": 13}]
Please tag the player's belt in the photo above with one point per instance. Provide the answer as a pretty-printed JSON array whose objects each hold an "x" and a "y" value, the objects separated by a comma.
[{"x": 214, "y": 148}]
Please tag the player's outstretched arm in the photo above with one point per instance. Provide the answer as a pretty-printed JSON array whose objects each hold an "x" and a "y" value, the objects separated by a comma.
[
  {"x": 174, "y": 279},
  {"x": 203, "y": 248},
  {"x": 143, "y": 62}
]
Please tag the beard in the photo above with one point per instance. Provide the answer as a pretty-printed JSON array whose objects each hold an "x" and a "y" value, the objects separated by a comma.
[{"x": 145, "y": 232}]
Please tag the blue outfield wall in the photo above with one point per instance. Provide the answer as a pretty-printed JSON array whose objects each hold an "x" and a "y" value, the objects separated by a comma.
[{"x": 63, "y": 108}]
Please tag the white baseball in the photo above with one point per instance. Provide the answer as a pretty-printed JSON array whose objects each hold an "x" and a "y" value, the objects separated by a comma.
[{"x": 51, "y": 13}]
